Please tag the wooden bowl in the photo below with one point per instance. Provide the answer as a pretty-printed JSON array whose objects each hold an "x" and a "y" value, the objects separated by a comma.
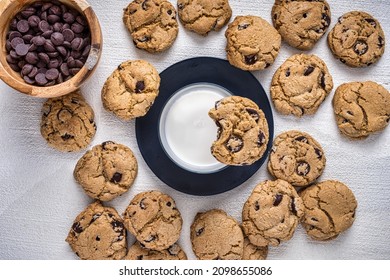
[{"x": 8, "y": 9}]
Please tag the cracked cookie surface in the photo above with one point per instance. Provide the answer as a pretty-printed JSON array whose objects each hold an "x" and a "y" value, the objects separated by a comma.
[
  {"x": 329, "y": 209},
  {"x": 203, "y": 16},
  {"x": 154, "y": 220},
  {"x": 216, "y": 236},
  {"x": 361, "y": 108},
  {"x": 98, "y": 233},
  {"x": 67, "y": 122},
  {"x": 152, "y": 24},
  {"x": 252, "y": 43},
  {"x": 297, "y": 158},
  {"x": 301, "y": 23},
  {"x": 271, "y": 213},
  {"x": 300, "y": 85},
  {"x": 106, "y": 171},
  {"x": 253, "y": 252},
  {"x": 131, "y": 89},
  {"x": 243, "y": 134},
  {"x": 138, "y": 252},
  {"x": 357, "y": 39}
]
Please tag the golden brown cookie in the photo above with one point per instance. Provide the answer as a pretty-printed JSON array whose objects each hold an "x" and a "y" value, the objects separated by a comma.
[
  {"x": 361, "y": 108},
  {"x": 252, "y": 43},
  {"x": 106, "y": 171},
  {"x": 203, "y": 16},
  {"x": 330, "y": 208},
  {"x": 300, "y": 85},
  {"x": 242, "y": 131},
  {"x": 301, "y": 22},
  {"x": 297, "y": 158},
  {"x": 253, "y": 252},
  {"x": 271, "y": 213},
  {"x": 154, "y": 220},
  {"x": 357, "y": 39},
  {"x": 67, "y": 122},
  {"x": 138, "y": 252},
  {"x": 152, "y": 24},
  {"x": 131, "y": 89},
  {"x": 98, "y": 233},
  {"x": 216, "y": 236}
]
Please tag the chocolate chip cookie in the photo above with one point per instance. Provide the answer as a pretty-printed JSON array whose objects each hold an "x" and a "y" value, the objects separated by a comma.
[
  {"x": 138, "y": 252},
  {"x": 361, "y": 108},
  {"x": 252, "y": 43},
  {"x": 253, "y": 252},
  {"x": 271, "y": 213},
  {"x": 357, "y": 39},
  {"x": 330, "y": 208},
  {"x": 131, "y": 89},
  {"x": 154, "y": 220},
  {"x": 216, "y": 236},
  {"x": 301, "y": 22},
  {"x": 67, "y": 122},
  {"x": 242, "y": 136},
  {"x": 297, "y": 158},
  {"x": 98, "y": 233},
  {"x": 152, "y": 24},
  {"x": 106, "y": 171},
  {"x": 203, "y": 16},
  {"x": 300, "y": 85}
]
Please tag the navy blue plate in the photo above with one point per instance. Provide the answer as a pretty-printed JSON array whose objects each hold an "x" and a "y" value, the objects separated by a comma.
[{"x": 192, "y": 71}]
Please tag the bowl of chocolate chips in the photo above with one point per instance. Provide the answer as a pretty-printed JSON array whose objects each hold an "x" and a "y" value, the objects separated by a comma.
[{"x": 48, "y": 48}]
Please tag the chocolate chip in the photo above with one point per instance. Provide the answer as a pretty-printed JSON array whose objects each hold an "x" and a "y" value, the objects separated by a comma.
[
  {"x": 26, "y": 69},
  {"x": 76, "y": 227},
  {"x": 33, "y": 72},
  {"x": 199, "y": 231},
  {"x": 16, "y": 41},
  {"x": 278, "y": 199},
  {"x": 117, "y": 225},
  {"x": 32, "y": 57},
  {"x": 143, "y": 39},
  {"x": 322, "y": 82},
  {"x": 243, "y": 26},
  {"x": 74, "y": 71},
  {"x": 380, "y": 41},
  {"x": 27, "y": 12},
  {"x": 261, "y": 139},
  {"x": 293, "y": 208},
  {"x": 77, "y": 43},
  {"x": 253, "y": 113},
  {"x": 342, "y": 60},
  {"x": 104, "y": 144},
  {"x": 68, "y": 35},
  {"x": 326, "y": 18},
  {"x": 371, "y": 21},
  {"x": 302, "y": 139},
  {"x": 53, "y": 19},
  {"x": 38, "y": 40},
  {"x": 308, "y": 71},
  {"x": 360, "y": 47},
  {"x": 257, "y": 206},
  {"x": 318, "y": 153},
  {"x": 44, "y": 26},
  {"x": 250, "y": 59},
  {"x": 27, "y": 79},
  {"x": 234, "y": 144},
  {"x": 22, "y": 49},
  {"x": 314, "y": 219},
  {"x": 303, "y": 168},
  {"x": 174, "y": 250},
  {"x": 44, "y": 57},
  {"x": 23, "y": 26},
  {"x": 139, "y": 86},
  {"x": 275, "y": 17},
  {"x": 144, "y": 5},
  {"x": 169, "y": 12},
  {"x": 219, "y": 131},
  {"x": 150, "y": 239},
  {"x": 68, "y": 18},
  {"x": 57, "y": 38},
  {"x": 67, "y": 136},
  {"x": 169, "y": 204},
  {"x": 116, "y": 178},
  {"x": 97, "y": 238},
  {"x": 288, "y": 72},
  {"x": 27, "y": 38},
  {"x": 142, "y": 204},
  {"x": 77, "y": 27},
  {"x": 52, "y": 74},
  {"x": 95, "y": 217}
]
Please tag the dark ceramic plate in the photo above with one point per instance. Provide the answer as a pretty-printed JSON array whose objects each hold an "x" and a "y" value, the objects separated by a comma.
[{"x": 194, "y": 71}]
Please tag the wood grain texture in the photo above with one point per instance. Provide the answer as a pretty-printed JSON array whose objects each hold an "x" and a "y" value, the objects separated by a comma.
[{"x": 39, "y": 198}]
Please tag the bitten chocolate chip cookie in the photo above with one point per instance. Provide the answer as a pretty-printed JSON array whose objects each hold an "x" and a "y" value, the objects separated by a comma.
[
  {"x": 131, "y": 89},
  {"x": 203, "y": 16},
  {"x": 297, "y": 158},
  {"x": 300, "y": 85},
  {"x": 154, "y": 220},
  {"x": 361, "y": 108},
  {"x": 216, "y": 236},
  {"x": 329, "y": 209},
  {"x": 301, "y": 22},
  {"x": 253, "y": 252},
  {"x": 242, "y": 131},
  {"x": 98, "y": 233},
  {"x": 68, "y": 122},
  {"x": 106, "y": 171},
  {"x": 152, "y": 24},
  {"x": 138, "y": 252},
  {"x": 357, "y": 39},
  {"x": 252, "y": 43},
  {"x": 271, "y": 213}
]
